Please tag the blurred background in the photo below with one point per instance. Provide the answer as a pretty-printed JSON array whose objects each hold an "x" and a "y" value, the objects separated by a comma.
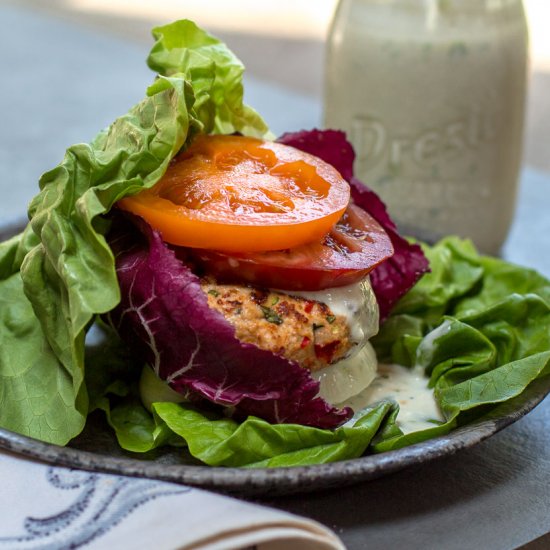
[{"x": 282, "y": 42}]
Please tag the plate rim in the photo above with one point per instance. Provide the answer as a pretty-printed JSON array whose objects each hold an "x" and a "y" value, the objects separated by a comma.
[{"x": 285, "y": 480}]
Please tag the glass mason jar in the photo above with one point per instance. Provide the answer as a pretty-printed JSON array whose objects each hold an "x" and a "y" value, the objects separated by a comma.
[{"x": 432, "y": 95}]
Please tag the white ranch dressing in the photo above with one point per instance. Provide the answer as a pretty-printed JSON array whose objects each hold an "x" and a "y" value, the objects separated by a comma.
[
  {"x": 355, "y": 382},
  {"x": 352, "y": 374},
  {"x": 407, "y": 387},
  {"x": 425, "y": 350},
  {"x": 356, "y": 302},
  {"x": 348, "y": 376}
]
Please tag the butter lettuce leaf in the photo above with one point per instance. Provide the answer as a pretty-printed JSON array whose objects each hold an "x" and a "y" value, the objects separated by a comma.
[
  {"x": 36, "y": 396},
  {"x": 214, "y": 73},
  {"x": 254, "y": 443},
  {"x": 490, "y": 342},
  {"x": 60, "y": 274},
  {"x": 69, "y": 276}
]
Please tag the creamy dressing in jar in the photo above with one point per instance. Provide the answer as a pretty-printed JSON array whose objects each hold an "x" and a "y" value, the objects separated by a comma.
[{"x": 432, "y": 95}]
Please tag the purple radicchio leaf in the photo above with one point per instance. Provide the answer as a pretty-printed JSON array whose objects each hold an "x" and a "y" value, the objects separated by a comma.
[
  {"x": 164, "y": 316},
  {"x": 394, "y": 277}
]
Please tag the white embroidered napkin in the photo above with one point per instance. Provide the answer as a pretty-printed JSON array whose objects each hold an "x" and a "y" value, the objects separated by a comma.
[{"x": 45, "y": 507}]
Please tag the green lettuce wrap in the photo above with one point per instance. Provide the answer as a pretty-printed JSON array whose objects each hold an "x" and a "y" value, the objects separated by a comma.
[
  {"x": 479, "y": 327},
  {"x": 59, "y": 274}
]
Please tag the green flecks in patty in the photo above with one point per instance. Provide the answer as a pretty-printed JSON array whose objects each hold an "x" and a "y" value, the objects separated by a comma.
[{"x": 271, "y": 316}]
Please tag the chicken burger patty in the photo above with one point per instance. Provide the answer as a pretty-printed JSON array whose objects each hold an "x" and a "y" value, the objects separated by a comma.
[
  {"x": 325, "y": 331},
  {"x": 302, "y": 330}
]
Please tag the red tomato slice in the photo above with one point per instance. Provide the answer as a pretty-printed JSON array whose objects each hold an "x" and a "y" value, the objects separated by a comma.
[
  {"x": 354, "y": 247},
  {"x": 242, "y": 194}
]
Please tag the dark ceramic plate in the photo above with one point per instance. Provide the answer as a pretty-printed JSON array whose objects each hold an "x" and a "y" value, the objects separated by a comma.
[{"x": 96, "y": 449}]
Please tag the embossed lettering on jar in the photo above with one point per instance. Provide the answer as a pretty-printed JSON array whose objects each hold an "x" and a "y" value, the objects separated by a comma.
[{"x": 432, "y": 95}]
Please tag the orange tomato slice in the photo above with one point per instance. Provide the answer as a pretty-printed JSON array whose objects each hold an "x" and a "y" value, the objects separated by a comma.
[{"x": 241, "y": 194}]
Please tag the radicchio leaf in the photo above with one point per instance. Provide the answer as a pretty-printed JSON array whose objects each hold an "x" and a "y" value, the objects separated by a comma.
[
  {"x": 164, "y": 316},
  {"x": 393, "y": 278}
]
